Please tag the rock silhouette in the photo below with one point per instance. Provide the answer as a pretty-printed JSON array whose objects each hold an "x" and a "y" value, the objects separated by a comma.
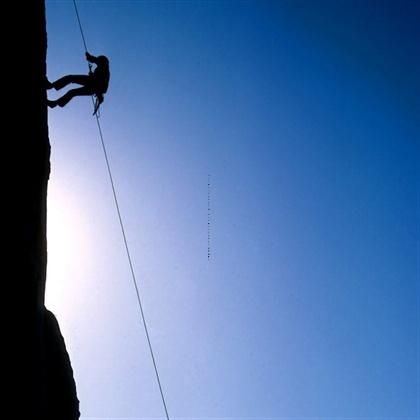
[{"x": 41, "y": 379}]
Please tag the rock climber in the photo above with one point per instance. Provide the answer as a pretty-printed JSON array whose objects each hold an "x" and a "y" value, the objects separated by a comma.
[{"x": 95, "y": 83}]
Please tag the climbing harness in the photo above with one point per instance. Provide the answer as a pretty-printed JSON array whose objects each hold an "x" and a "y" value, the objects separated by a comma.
[
  {"x": 97, "y": 101},
  {"x": 96, "y": 107},
  {"x": 130, "y": 263}
]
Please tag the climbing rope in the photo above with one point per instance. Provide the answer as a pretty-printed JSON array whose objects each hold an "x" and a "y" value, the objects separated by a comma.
[{"x": 133, "y": 275}]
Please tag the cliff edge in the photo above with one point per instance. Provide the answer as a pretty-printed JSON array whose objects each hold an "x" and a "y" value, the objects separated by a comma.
[{"x": 43, "y": 380}]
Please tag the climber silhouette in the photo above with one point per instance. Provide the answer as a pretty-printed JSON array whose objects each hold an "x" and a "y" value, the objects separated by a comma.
[{"x": 95, "y": 83}]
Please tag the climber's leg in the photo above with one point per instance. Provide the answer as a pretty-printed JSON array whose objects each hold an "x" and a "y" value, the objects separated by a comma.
[
  {"x": 80, "y": 79},
  {"x": 65, "y": 99}
]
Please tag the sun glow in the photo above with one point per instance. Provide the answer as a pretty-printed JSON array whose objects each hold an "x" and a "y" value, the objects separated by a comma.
[{"x": 68, "y": 249}]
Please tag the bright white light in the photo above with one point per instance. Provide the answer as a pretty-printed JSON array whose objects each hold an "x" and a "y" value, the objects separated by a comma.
[{"x": 68, "y": 249}]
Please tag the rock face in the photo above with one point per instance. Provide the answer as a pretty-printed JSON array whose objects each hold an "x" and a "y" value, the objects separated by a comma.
[
  {"x": 60, "y": 397},
  {"x": 45, "y": 387}
]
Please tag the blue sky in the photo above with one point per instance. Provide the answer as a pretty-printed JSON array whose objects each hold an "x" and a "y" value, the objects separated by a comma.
[{"x": 305, "y": 115}]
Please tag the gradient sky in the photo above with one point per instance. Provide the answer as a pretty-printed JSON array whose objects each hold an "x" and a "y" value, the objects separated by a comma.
[{"x": 305, "y": 115}]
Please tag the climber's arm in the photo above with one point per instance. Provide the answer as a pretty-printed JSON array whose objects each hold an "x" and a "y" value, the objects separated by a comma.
[{"x": 91, "y": 58}]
